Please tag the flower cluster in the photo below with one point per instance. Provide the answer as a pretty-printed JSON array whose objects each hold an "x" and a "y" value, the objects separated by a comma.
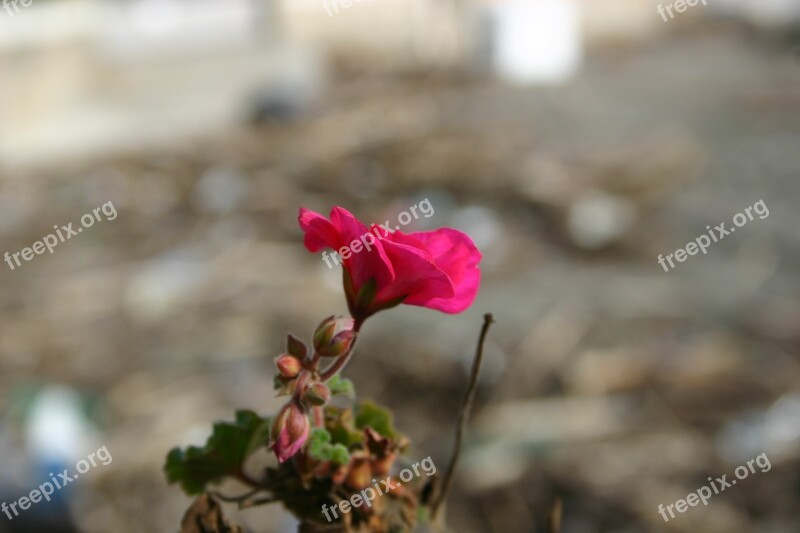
[
  {"x": 435, "y": 269},
  {"x": 299, "y": 377},
  {"x": 325, "y": 453}
]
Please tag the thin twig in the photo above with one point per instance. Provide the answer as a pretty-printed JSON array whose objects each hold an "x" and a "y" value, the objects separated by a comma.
[
  {"x": 337, "y": 365},
  {"x": 555, "y": 515},
  {"x": 463, "y": 417},
  {"x": 319, "y": 416},
  {"x": 259, "y": 501},
  {"x": 247, "y": 480},
  {"x": 236, "y": 499}
]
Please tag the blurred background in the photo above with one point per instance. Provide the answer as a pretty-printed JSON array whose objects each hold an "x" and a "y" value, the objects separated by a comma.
[{"x": 574, "y": 140}]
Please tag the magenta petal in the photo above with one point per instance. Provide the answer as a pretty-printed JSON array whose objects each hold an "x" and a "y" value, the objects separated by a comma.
[
  {"x": 365, "y": 264},
  {"x": 434, "y": 269},
  {"x": 454, "y": 253},
  {"x": 318, "y": 230},
  {"x": 282, "y": 445},
  {"x": 342, "y": 230},
  {"x": 422, "y": 279},
  {"x": 288, "y": 449},
  {"x": 292, "y": 427}
]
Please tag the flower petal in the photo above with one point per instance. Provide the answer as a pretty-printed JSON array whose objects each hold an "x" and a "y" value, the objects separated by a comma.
[
  {"x": 421, "y": 278},
  {"x": 454, "y": 253},
  {"x": 319, "y": 231},
  {"x": 434, "y": 269},
  {"x": 366, "y": 264}
]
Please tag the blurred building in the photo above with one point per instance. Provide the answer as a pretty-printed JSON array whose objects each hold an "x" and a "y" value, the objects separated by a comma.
[{"x": 81, "y": 77}]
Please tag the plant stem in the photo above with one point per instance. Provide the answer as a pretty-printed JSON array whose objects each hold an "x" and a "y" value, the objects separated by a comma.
[
  {"x": 313, "y": 362},
  {"x": 337, "y": 365},
  {"x": 463, "y": 417},
  {"x": 236, "y": 499},
  {"x": 247, "y": 480},
  {"x": 319, "y": 417}
]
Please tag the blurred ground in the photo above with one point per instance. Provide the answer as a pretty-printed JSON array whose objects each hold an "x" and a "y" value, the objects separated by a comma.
[{"x": 609, "y": 383}]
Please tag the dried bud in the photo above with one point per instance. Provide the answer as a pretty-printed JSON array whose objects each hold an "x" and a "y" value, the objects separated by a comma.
[
  {"x": 382, "y": 466},
  {"x": 381, "y": 452},
  {"x": 289, "y": 431},
  {"x": 317, "y": 394},
  {"x": 288, "y": 366},
  {"x": 334, "y": 336},
  {"x": 359, "y": 474}
]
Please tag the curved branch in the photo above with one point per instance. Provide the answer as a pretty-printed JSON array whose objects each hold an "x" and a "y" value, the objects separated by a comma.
[
  {"x": 463, "y": 417},
  {"x": 236, "y": 499}
]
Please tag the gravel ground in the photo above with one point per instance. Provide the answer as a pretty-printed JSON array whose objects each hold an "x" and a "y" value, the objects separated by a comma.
[{"x": 610, "y": 385}]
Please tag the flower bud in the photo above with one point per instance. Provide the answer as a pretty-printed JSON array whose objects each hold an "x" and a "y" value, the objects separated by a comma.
[
  {"x": 288, "y": 365},
  {"x": 295, "y": 347},
  {"x": 289, "y": 431},
  {"x": 317, "y": 394},
  {"x": 334, "y": 336}
]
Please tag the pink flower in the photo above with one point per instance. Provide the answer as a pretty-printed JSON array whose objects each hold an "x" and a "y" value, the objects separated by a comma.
[
  {"x": 289, "y": 431},
  {"x": 435, "y": 269}
]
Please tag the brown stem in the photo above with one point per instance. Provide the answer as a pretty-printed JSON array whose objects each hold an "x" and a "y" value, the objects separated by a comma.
[
  {"x": 308, "y": 526},
  {"x": 247, "y": 480},
  {"x": 555, "y": 516},
  {"x": 246, "y": 504},
  {"x": 336, "y": 366},
  {"x": 311, "y": 361},
  {"x": 236, "y": 499},
  {"x": 300, "y": 385},
  {"x": 463, "y": 417}
]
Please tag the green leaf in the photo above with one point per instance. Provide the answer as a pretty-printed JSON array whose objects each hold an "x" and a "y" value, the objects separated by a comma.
[
  {"x": 319, "y": 435},
  {"x": 380, "y": 419},
  {"x": 320, "y": 452},
  {"x": 223, "y": 454},
  {"x": 340, "y": 385},
  {"x": 321, "y": 449},
  {"x": 318, "y": 438},
  {"x": 339, "y": 454},
  {"x": 319, "y": 444}
]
